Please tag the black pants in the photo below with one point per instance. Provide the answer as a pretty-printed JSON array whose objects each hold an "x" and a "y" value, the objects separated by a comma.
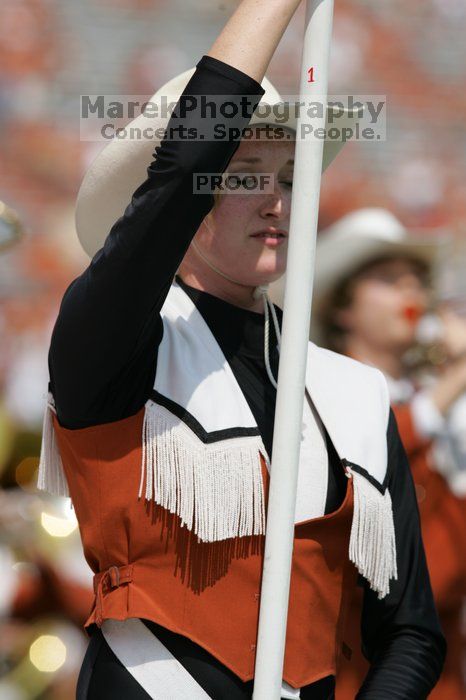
[{"x": 103, "y": 676}]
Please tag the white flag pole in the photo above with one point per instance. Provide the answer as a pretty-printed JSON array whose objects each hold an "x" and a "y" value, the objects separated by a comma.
[{"x": 293, "y": 359}]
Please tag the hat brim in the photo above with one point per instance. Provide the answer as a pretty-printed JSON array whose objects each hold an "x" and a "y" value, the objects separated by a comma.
[
  {"x": 121, "y": 167},
  {"x": 332, "y": 271},
  {"x": 341, "y": 118}
]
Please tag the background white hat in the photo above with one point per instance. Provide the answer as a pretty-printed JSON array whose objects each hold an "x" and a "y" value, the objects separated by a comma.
[
  {"x": 121, "y": 166},
  {"x": 359, "y": 237}
]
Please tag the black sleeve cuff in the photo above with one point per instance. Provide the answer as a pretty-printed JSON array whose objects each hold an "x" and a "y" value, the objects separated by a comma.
[{"x": 247, "y": 83}]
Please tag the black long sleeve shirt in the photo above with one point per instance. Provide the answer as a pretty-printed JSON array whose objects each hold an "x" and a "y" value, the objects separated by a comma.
[{"x": 102, "y": 369}]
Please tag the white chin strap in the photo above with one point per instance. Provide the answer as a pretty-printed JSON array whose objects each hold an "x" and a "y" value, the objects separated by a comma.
[{"x": 260, "y": 291}]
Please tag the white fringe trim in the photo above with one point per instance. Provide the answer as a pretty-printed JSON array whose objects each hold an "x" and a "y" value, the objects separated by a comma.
[
  {"x": 216, "y": 489},
  {"x": 51, "y": 473},
  {"x": 372, "y": 545}
]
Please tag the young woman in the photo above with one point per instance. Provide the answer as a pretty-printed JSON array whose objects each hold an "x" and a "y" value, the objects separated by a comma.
[{"x": 159, "y": 425}]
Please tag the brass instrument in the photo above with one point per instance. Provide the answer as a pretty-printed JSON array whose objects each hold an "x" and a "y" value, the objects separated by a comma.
[
  {"x": 429, "y": 350},
  {"x": 11, "y": 229}
]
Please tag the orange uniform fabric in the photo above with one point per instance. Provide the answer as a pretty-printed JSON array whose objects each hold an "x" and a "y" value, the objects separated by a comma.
[
  {"x": 49, "y": 592},
  {"x": 148, "y": 566},
  {"x": 443, "y": 522}
]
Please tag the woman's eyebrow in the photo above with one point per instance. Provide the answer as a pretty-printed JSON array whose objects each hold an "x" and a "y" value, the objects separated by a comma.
[
  {"x": 258, "y": 160},
  {"x": 248, "y": 160}
]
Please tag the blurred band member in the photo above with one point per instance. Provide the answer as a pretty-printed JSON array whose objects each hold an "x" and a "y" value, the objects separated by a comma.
[{"x": 372, "y": 288}]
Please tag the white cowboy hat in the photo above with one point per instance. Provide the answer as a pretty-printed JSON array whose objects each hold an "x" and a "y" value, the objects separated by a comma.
[
  {"x": 121, "y": 167},
  {"x": 359, "y": 237},
  {"x": 354, "y": 240}
]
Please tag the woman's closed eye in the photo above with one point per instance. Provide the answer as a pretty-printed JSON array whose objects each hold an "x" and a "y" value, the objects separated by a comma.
[
  {"x": 245, "y": 180},
  {"x": 286, "y": 183}
]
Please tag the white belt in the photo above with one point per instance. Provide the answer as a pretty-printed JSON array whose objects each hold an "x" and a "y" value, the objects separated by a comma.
[{"x": 154, "y": 667}]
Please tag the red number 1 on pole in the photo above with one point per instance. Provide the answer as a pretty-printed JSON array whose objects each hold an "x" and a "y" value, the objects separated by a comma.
[{"x": 311, "y": 75}]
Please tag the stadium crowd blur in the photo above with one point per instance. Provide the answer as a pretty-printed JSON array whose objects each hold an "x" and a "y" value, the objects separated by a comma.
[{"x": 52, "y": 51}]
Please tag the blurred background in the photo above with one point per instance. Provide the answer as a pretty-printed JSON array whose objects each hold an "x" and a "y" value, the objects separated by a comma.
[{"x": 51, "y": 51}]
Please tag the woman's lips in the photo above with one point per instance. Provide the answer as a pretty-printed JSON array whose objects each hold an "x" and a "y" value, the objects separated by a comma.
[{"x": 271, "y": 237}]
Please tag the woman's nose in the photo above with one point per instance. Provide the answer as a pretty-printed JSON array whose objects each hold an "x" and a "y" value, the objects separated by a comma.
[{"x": 274, "y": 205}]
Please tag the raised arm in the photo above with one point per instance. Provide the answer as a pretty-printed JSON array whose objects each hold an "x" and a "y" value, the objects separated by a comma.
[
  {"x": 102, "y": 358},
  {"x": 401, "y": 634},
  {"x": 249, "y": 39}
]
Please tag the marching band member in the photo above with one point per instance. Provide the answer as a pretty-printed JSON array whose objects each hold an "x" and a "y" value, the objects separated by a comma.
[
  {"x": 159, "y": 421},
  {"x": 368, "y": 305}
]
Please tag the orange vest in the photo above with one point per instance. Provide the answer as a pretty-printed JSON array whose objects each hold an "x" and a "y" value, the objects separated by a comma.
[{"x": 148, "y": 566}]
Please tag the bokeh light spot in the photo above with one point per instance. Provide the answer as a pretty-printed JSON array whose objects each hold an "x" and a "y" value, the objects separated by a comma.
[
  {"x": 58, "y": 527},
  {"x": 47, "y": 653}
]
